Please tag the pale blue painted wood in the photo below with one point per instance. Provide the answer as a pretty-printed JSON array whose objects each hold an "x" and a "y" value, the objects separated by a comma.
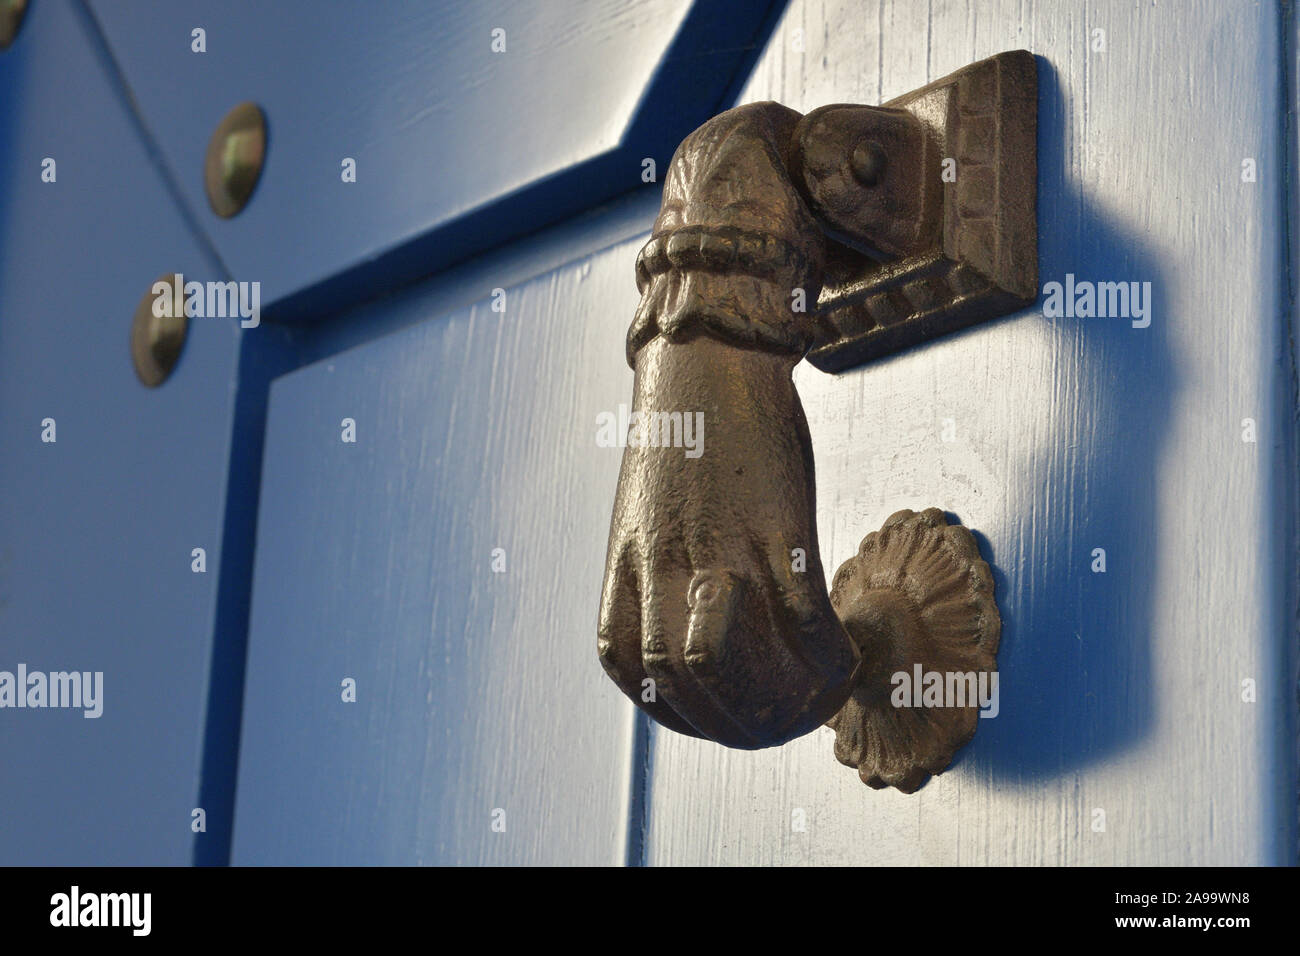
[
  {"x": 477, "y": 690},
  {"x": 96, "y": 529},
  {"x": 458, "y": 148}
]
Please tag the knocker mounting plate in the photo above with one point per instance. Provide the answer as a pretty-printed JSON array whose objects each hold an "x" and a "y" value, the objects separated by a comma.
[{"x": 981, "y": 125}]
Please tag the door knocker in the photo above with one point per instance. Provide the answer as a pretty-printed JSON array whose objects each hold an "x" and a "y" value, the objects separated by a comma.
[{"x": 844, "y": 235}]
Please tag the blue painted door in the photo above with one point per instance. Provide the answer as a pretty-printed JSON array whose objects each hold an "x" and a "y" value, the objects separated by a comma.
[{"x": 390, "y": 657}]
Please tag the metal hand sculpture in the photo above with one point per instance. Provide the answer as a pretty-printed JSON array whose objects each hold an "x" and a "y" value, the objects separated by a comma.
[{"x": 779, "y": 234}]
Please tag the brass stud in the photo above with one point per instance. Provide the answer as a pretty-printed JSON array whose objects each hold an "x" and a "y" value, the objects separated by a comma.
[
  {"x": 157, "y": 340},
  {"x": 11, "y": 18},
  {"x": 234, "y": 160}
]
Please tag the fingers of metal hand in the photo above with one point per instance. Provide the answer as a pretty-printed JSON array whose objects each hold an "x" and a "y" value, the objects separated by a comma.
[
  {"x": 719, "y": 647},
  {"x": 666, "y": 623},
  {"x": 803, "y": 613},
  {"x": 711, "y": 599},
  {"x": 618, "y": 642},
  {"x": 809, "y": 658},
  {"x": 827, "y": 658}
]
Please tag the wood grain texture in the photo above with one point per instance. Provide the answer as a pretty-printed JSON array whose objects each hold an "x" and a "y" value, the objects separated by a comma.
[
  {"x": 1121, "y": 691},
  {"x": 475, "y": 690}
]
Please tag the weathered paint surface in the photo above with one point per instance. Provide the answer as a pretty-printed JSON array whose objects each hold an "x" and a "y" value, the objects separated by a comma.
[{"x": 443, "y": 561}]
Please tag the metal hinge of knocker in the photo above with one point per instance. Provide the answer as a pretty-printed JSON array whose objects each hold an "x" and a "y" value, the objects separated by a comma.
[{"x": 904, "y": 223}]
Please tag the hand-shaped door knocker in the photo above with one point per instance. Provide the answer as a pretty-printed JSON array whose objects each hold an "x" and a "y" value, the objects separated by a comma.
[{"x": 845, "y": 235}]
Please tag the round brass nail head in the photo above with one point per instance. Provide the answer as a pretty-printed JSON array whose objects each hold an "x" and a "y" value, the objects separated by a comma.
[
  {"x": 234, "y": 160},
  {"x": 11, "y": 18},
  {"x": 157, "y": 340}
]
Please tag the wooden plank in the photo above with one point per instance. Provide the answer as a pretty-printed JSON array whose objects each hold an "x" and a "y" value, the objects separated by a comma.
[
  {"x": 1120, "y": 692},
  {"x": 97, "y": 527},
  {"x": 476, "y": 690},
  {"x": 457, "y": 147}
]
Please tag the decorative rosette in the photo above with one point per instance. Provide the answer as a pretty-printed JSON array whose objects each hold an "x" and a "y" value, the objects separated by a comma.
[{"x": 917, "y": 599}]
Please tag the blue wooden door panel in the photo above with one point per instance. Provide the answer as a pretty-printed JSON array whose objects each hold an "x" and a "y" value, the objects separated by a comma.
[
  {"x": 1124, "y": 735},
  {"x": 457, "y": 147},
  {"x": 449, "y": 562},
  {"x": 98, "y": 526}
]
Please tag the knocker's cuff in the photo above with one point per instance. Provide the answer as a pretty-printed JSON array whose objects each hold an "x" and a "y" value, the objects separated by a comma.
[
  {"x": 742, "y": 310},
  {"x": 751, "y": 290}
]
